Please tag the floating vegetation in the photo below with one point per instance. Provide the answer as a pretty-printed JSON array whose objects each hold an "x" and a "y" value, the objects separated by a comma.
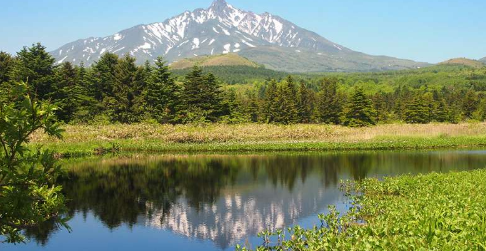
[{"x": 424, "y": 212}]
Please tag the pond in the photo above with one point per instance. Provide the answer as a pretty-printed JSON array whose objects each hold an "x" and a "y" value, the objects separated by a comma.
[{"x": 213, "y": 202}]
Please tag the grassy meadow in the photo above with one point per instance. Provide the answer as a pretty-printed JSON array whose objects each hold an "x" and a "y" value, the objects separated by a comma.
[{"x": 83, "y": 140}]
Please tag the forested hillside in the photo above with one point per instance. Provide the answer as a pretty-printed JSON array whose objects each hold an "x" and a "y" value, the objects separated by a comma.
[
  {"x": 116, "y": 90},
  {"x": 236, "y": 74}
]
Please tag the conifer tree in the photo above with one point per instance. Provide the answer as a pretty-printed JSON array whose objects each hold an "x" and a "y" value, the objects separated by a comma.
[
  {"x": 470, "y": 103},
  {"x": 305, "y": 104},
  {"x": 417, "y": 111},
  {"x": 123, "y": 104},
  {"x": 455, "y": 113},
  {"x": 87, "y": 107},
  {"x": 359, "y": 111},
  {"x": 163, "y": 94},
  {"x": 104, "y": 76},
  {"x": 213, "y": 96},
  {"x": 380, "y": 107},
  {"x": 202, "y": 96},
  {"x": 252, "y": 108},
  {"x": 286, "y": 100},
  {"x": 402, "y": 95},
  {"x": 231, "y": 108},
  {"x": 64, "y": 92},
  {"x": 442, "y": 113},
  {"x": 430, "y": 104},
  {"x": 329, "y": 106},
  {"x": 270, "y": 106},
  {"x": 6, "y": 64},
  {"x": 480, "y": 113},
  {"x": 35, "y": 66}
]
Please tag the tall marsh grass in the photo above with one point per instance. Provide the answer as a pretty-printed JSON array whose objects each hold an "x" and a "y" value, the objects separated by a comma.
[
  {"x": 83, "y": 140},
  {"x": 222, "y": 133}
]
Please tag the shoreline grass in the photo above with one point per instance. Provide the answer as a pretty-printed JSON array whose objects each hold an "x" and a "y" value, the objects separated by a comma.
[{"x": 85, "y": 140}]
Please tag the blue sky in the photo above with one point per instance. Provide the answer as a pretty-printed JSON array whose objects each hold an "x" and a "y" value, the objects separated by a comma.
[{"x": 422, "y": 30}]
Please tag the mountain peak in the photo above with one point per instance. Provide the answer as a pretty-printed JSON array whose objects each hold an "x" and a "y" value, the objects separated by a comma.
[
  {"x": 224, "y": 29},
  {"x": 219, "y": 4}
]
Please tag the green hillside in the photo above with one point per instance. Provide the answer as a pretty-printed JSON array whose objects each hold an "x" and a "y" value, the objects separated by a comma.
[
  {"x": 464, "y": 61},
  {"x": 230, "y": 59}
]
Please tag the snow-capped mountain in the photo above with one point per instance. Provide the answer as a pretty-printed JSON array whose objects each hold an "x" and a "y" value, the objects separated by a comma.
[{"x": 222, "y": 29}]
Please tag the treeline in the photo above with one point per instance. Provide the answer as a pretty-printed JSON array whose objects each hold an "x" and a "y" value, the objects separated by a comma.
[{"x": 115, "y": 89}]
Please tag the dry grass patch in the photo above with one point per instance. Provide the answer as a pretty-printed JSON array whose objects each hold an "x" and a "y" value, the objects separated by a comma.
[{"x": 222, "y": 133}]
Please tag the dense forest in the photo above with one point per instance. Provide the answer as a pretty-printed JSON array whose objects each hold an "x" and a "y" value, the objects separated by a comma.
[{"x": 116, "y": 90}]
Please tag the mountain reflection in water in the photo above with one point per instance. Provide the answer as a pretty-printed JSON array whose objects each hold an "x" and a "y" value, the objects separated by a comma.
[{"x": 227, "y": 199}]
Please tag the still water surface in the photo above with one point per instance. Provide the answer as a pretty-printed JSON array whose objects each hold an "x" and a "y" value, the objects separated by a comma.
[{"x": 213, "y": 202}]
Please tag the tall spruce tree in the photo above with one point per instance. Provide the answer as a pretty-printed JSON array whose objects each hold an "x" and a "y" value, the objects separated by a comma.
[
  {"x": 253, "y": 108},
  {"x": 103, "y": 74},
  {"x": 123, "y": 104},
  {"x": 232, "y": 111},
  {"x": 270, "y": 106},
  {"x": 329, "y": 103},
  {"x": 163, "y": 94},
  {"x": 380, "y": 106},
  {"x": 442, "y": 112},
  {"x": 87, "y": 107},
  {"x": 64, "y": 92},
  {"x": 470, "y": 103},
  {"x": 287, "y": 112},
  {"x": 360, "y": 111},
  {"x": 417, "y": 111},
  {"x": 305, "y": 104},
  {"x": 431, "y": 104},
  {"x": 202, "y": 96},
  {"x": 35, "y": 66}
]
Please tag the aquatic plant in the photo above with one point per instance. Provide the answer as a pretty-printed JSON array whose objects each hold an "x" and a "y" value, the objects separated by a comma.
[{"x": 424, "y": 212}]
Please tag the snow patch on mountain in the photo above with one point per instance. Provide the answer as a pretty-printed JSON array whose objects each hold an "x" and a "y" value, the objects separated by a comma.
[
  {"x": 227, "y": 48},
  {"x": 195, "y": 43},
  {"x": 116, "y": 37}
]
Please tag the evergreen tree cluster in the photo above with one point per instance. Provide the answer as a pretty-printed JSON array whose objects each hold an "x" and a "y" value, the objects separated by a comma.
[{"x": 116, "y": 90}]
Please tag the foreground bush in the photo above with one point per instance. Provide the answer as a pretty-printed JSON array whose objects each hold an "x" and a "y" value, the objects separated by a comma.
[
  {"x": 28, "y": 194},
  {"x": 426, "y": 212}
]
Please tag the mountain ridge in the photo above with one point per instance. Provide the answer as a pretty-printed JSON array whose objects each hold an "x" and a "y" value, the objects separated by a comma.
[{"x": 223, "y": 29}]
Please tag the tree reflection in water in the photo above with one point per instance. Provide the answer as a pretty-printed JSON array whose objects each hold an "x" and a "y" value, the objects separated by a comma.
[{"x": 228, "y": 198}]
